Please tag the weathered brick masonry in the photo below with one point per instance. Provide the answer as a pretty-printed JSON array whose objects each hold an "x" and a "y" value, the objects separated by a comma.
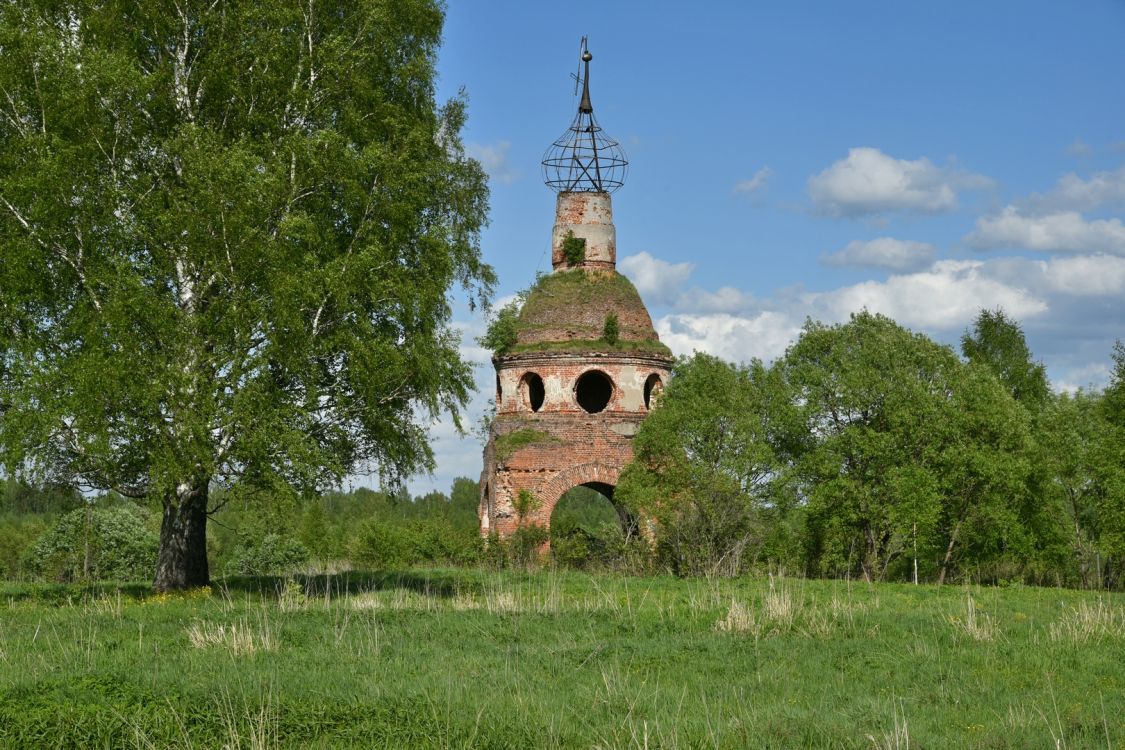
[{"x": 569, "y": 401}]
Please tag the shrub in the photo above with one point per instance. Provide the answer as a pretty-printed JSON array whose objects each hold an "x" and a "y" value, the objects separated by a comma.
[
  {"x": 524, "y": 544},
  {"x": 273, "y": 554},
  {"x": 383, "y": 545},
  {"x": 97, "y": 543},
  {"x": 574, "y": 249},
  {"x": 610, "y": 331},
  {"x": 380, "y": 545},
  {"x": 584, "y": 548},
  {"x": 438, "y": 542},
  {"x": 526, "y": 503}
]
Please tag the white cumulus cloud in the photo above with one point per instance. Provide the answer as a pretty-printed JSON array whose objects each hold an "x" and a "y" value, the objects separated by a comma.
[
  {"x": 1079, "y": 276},
  {"x": 657, "y": 280},
  {"x": 1064, "y": 231},
  {"x": 883, "y": 252},
  {"x": 764, "y": 335},
  {"x": 945, "y": 297},
  {"x": 870, "y": 182},
  {"x": 1072, "y": 193}
]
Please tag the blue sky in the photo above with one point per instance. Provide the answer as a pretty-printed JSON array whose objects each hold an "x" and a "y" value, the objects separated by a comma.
[{"x": 802, "y": 159}]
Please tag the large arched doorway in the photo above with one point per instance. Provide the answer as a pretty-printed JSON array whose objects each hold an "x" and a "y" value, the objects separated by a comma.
[{"x": 588, "y": 529}]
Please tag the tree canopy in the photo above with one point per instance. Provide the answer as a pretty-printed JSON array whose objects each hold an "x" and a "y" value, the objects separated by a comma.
[
  {"x": 997, "y": 342},
  {"x": 870, "y": 450},
  {"x": 228, "y": 234},
  {"x": 905, "y": 444},
  {"x": 704, "y": 465}
]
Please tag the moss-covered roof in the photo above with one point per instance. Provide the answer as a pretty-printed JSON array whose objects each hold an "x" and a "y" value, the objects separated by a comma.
[{"x": 567, "y": 310}]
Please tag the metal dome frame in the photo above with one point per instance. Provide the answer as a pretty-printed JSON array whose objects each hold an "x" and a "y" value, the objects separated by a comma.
[{"x": 585, "y": 158}]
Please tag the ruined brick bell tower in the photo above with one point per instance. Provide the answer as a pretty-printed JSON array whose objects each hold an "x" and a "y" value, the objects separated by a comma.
[{"x": 586, "y": 364}]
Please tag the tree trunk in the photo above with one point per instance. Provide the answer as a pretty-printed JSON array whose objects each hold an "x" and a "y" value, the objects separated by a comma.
[
  {"x": 948, "y": 554},
  {"x": 182, "y": 560},
  {"x": 1079, "y": 550},
  {"x": 870, "y": 562}
]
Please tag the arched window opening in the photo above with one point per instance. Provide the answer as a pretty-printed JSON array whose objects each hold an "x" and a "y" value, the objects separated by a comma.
[
  {"x": 654, "y": 386},
  {"x": 499, "y": 392},
  {"x": 531, "y": 387},
  {"x": 593, "y": 391}
]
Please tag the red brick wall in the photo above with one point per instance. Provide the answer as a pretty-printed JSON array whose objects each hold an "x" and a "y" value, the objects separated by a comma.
[{"x": 580, "y": 448}]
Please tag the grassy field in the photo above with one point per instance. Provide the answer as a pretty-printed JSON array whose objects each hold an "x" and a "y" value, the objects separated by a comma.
[{"x": 485, "y": 659}]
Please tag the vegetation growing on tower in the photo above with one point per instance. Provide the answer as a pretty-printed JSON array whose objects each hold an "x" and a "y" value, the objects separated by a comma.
[
  {"x": 574, "y": 249},
  {"x": 569, "y": 310}
]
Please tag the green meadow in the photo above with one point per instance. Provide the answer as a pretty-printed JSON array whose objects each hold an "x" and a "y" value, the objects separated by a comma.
[{"x": 560, "y": 659}]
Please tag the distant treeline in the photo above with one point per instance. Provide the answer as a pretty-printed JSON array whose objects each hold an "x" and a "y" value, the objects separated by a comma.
[{"x": 56, "y": 534}]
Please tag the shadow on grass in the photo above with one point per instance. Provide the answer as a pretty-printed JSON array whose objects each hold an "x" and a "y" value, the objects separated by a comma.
[
  {"x": 72, "y": 593},
  {"x": 438, "y": 583}
]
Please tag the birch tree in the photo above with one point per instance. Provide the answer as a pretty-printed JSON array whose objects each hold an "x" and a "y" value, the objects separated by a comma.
[{"x": 227, "y": 235}]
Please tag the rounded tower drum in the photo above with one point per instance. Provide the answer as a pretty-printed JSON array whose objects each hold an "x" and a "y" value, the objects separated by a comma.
[{"x": 586, "y": 365}]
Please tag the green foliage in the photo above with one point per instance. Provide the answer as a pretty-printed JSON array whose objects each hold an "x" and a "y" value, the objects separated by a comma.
[
  {"x": 503, "y": 327},
  {"x": 584, "y": 509},
  {"x": 523, "y": 546},
  {"x": 363, "y": 528},
  {"x": 229, "y": 233},
  {"x": 313, "y": 532},
  {"x": 1071, "y": 439},
  {"x": 18, "y": 532},
  {"x": 464, "y": 501},
  {"x": 574, "y": 249},
  {"x": 997, "y": 342},
  {"x": 1113, "y": 404},
  {"x": 507, "y": 444},
  {"x": 902, "y": 446},
  {"x": 20, "y": 497},
  {"x": 610, "y": 331},
  {"x": 114, "y": 542},
  {"x": 270, "y": 555},
  {"x": 26, "y": 513},
  {"x": 705, "y": 466},
  {"x": 586, "y": 531},
  {"x": 526, "y": 503},
  {"x": 380, "y": 545},
  {"x": 1109, "y": 460},
  {"x": 871, "y": 451}
]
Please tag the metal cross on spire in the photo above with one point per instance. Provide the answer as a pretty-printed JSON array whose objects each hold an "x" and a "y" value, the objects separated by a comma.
[{"x": 585, "y": 158}]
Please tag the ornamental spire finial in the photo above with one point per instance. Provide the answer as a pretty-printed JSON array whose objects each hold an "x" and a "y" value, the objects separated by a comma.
[
  {"x": 585, "y": 105},
  {"x": 585, "y": 158}
]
